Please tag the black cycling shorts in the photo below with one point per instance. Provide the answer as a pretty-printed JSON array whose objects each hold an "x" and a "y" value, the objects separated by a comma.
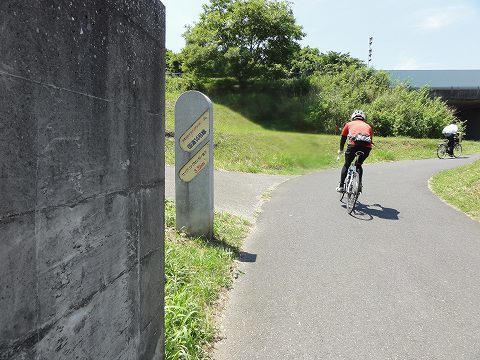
[{"x": 350, "y": 154}]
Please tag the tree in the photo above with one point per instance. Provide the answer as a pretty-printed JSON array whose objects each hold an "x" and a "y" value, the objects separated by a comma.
[
  {"x": 305, "y": 62},
  {"x": 308, "y": 61},
  {"x": 243, "y": 39},
  {"x": 173, "y": 62},
  {"x": 334, "y": 62}
]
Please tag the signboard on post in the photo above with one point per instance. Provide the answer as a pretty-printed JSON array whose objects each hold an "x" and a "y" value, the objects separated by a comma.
[{"x": 194, "y": 164}]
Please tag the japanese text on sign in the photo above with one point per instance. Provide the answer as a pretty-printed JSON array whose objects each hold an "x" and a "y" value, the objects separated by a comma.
[
  {"x": 195, "y": 164},
  {"x": 196, "y": 133}
]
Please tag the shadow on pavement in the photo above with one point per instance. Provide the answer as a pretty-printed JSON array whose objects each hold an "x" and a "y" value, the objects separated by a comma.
[
  {"x": 368, "y": 212},
  {"x": 247, "y": 257}
]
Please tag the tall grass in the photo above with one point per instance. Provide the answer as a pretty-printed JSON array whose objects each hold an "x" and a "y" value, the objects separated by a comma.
[
  {"x": 196, "y": 271},
  {"x": 392, "y": 110}
]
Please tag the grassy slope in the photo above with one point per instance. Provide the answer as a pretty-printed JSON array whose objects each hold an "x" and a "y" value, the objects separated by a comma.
[
  {"x": 242, "y": 145},
  {"x": 461, "y": 188}
]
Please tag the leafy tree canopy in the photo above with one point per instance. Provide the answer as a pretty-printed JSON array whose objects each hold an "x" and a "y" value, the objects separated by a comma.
[
  {"x": 243, "y": 39},
  {"x": 305, "y": 62},
  {"x": 173, "y": 62},
  {"x": 308, "y": 61},
  {"x": 334, "y": 62}
]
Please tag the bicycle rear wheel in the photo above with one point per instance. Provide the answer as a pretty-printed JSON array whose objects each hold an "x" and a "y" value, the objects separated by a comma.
[
  {"x": 352, "y": 193},
  {"x": 441, "y": 151},
  {"x": 457, "y": 150},
  {"x": 345, "y": 186}
]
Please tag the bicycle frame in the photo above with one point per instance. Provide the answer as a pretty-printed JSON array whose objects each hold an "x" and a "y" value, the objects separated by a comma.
[
  {"x": 442, "y": 148},
  {"x": 351, "y": 184}
]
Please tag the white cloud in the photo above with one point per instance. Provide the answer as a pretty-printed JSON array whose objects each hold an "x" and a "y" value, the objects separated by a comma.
[
  {"x": 407, "y": 63},
  {"x": 437, "y": 18}
]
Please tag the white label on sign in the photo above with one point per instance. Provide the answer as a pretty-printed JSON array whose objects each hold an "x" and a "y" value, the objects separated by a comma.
[
  {"x": 193, "y": 167},
  {"x": 196, "y": 133}
]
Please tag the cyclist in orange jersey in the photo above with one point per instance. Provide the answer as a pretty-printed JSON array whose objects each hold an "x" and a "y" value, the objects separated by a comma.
[{"x": 360, "y": 135}]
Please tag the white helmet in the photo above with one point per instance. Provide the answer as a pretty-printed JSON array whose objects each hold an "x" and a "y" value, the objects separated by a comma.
[{"x": 358, "y": 115}]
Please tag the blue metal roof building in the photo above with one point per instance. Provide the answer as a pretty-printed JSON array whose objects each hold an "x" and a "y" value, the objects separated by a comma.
[{"x": 438, "y": 79}]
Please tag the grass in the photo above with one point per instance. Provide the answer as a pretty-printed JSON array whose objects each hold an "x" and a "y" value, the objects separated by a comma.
[
  {"x": 460, "y": 187},
  {"x": 197, "y": 270},
  {"x": 242, "y": 145}
]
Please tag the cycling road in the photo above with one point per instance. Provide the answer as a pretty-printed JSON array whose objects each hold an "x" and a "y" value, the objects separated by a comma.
[{"x": 398, "y": 280}]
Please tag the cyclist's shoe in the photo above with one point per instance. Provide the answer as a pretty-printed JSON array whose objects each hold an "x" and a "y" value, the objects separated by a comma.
[{"x": 340, "y": 189}]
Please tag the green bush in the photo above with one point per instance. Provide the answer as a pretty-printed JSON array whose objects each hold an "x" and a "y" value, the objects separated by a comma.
[
  {"x": 392, "y": 110},
  {"x": 401, "y": 111},
  {"x": 276, "y": 104},
  {"x": 286, "y": 87},
  {"x": 323, "y": 102},
  {"x": 335, "y": 95},
  {"x": 178, "y": 84}
]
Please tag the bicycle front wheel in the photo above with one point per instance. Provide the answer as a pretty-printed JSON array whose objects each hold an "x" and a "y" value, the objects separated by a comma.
[
  {"x": 352, "y": 193},
  {"x": 457, "y": 150},
  {"x": 442, "y": 151}
]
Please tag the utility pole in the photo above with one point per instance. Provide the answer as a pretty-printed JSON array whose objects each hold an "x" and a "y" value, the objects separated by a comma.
[{"x": 370, "y": 41}]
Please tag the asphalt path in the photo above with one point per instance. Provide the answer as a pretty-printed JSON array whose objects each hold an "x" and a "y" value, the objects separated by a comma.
[
  {"x": 400, "y": 279},
  {"x": 235, "y": 192}
]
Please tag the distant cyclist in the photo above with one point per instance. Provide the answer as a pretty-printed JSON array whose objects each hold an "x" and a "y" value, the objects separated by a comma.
[
  {"x": 360, "y": 135},
  {"x": 450, "y": 131}
]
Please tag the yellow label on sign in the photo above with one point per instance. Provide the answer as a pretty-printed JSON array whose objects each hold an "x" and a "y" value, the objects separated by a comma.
[
  {"x": 196, "y": 164},
  {"x": 196, "y": 133}
]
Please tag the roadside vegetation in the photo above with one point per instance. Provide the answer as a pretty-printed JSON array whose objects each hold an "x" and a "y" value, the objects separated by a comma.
[
  {"x": 460, "y": 187},
  {"x": 278, "y": 109},
  {"x": 197, "y": 271},
  {"x": 242, "y": 144}
]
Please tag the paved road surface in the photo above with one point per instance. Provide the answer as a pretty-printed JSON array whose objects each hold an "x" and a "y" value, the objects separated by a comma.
[
  {"x": 238, "y": 193},
  {"x": 399, "y": 280}
]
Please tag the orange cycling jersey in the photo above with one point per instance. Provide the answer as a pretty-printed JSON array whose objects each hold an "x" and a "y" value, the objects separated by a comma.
[{"x": 356, "y": 127}]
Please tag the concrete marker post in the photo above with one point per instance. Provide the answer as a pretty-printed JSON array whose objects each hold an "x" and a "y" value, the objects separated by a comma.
[{"x": 194, "y": 164}]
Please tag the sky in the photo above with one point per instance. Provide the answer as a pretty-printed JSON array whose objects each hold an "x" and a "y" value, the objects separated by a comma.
[{"x": 407, "y": 34}]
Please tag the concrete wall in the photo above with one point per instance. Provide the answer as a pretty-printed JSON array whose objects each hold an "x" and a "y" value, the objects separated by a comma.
[
  {"x": 466, "y": 104},
  {"x": 81, "y": 179},
  {"x": 470, "y": 113}
]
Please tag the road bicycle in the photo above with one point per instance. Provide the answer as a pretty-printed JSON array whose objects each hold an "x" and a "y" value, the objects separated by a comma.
[
  {"x": 442, "y": 149},
  {"x": 352, "y": 184}
]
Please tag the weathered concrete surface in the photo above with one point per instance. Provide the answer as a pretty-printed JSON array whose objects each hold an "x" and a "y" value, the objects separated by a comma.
[{"x": 81, "y": 179}]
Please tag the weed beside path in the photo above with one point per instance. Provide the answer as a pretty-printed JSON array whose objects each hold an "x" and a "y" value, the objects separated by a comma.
[
  {"x": 197, "y": 270},
  {"x": 460, "y": 187}
]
